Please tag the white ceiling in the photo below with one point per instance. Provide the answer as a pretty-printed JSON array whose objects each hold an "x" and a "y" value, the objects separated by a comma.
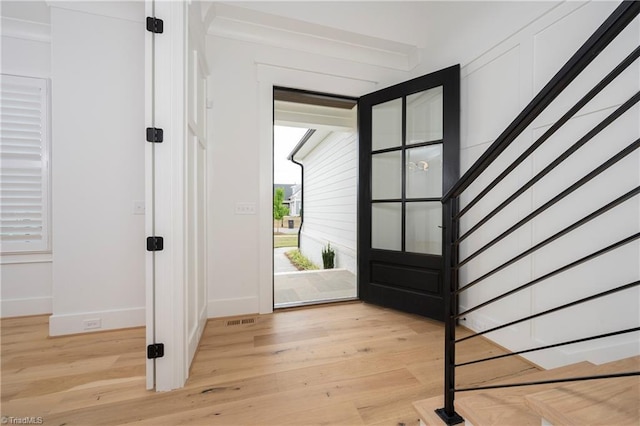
[
  {"x": 416, "y": 23},
  {"x": 32, "y": 10},
  {"x": 399, "y": 35}
]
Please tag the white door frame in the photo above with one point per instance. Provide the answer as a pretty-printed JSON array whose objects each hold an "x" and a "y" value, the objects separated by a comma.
[
  {"x": 167, "y": 209},
  {"x": 268, "y": 77}
]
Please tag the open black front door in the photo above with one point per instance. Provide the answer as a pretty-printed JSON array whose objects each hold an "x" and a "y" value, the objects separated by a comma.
[{"x": 409, "y": 156}]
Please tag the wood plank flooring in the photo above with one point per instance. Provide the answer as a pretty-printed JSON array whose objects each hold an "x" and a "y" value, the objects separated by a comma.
[{"x": 343, "y": 364}]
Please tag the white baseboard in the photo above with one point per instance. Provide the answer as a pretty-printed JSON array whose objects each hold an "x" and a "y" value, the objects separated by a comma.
[
  {"x": 230, "y": 307},
  {"x": 23, "y": 307},
  {"x": 109, "y": 320}
]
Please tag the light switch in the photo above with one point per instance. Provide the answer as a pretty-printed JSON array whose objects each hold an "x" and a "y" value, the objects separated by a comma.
[{"x": 245, "y": 208}]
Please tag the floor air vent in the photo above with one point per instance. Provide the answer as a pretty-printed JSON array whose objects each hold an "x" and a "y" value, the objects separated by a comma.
[{"x": 241, "y": 321}]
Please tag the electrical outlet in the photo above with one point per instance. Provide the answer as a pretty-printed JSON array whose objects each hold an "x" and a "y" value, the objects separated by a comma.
[
  {"x": 138, "y": 207},
  {"x": 93, "y": 323},
  {"x": 245, "y": 208}
]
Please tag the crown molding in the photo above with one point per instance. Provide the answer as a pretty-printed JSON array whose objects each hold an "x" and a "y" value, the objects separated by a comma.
[
  {"x": 25, "y": 30},
  {"x": 257, "y": 27},
  {"x": 126, "y": 10}
]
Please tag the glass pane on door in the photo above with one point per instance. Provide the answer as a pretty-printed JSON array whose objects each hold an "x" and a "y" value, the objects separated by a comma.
[
  {"x": 424, "y": 116},
  {"x": 386, "y": 175},
  {"x": 386, "y": 125},
  {"x": 424, "y": 171},
  {"x": 386, "y": 226},
  {"x": 423, "y": 232}
]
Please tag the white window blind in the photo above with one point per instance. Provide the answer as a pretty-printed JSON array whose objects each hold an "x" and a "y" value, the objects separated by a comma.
[{"x": 24, "y": 161}]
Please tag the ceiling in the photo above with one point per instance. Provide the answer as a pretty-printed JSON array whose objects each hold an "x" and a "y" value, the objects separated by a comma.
[{"x": 404, "y": 31}]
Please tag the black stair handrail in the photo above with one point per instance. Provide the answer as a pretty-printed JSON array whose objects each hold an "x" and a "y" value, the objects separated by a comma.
[{"x": 624, "y": 14}]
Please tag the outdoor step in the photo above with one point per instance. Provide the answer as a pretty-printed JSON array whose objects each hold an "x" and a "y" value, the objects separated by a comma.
[{"x": 617, "y": 401}]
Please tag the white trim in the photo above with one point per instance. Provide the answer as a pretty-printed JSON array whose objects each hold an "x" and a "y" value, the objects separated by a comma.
[
  {"x": 28, "y": 306},
  {"x": 311, "y": 271},
  {"x": 170, "y": 197},
  {"x": 25, "y": 30},
  {"x": 111, "y": 320},
  {"x": 269, "y": 76},
  {"x": 16, "y": 259},
  {"x": 236, "y": 306},
  {"x": 265, "y": 201},
  {"x": 322, "y": 82},
  {"x": 258, "y": 27},
  {"x": 149, "y": 205},
  {"x": 125, "y": 10}
]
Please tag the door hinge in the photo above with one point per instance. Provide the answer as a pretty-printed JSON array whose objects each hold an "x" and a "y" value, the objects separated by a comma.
[
  {"x": 155, "y": 351},
  {"x": 154, "y": 134},
  {"x": 155, "y": 243},
  {"x": 155, "y": 25}
]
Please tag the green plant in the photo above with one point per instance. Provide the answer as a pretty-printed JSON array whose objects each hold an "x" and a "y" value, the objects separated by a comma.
[
  {"x": 299, "y": 261},
  {"x": 279, "y": 209},
  {"x": 328, "y": 257}
]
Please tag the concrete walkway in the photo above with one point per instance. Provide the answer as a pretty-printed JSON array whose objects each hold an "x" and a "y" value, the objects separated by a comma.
[
  {"x": 293, "y": 288},
  {"x": 305, "y": 287},
  {"x": 281, "y": 262}
]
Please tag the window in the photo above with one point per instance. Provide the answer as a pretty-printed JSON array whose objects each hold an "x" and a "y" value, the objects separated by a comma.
[{"x": 24, "y": 165}]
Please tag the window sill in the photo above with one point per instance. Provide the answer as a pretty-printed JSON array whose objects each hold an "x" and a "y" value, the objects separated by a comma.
[{"x": 15, "y": 258}]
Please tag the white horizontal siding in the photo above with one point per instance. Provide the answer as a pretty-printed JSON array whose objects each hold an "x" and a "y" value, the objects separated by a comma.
[{"x": 330, "y": 199}]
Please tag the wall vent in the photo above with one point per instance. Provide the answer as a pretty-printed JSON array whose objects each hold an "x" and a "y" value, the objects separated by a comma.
[{"x": 241, "y": 321}]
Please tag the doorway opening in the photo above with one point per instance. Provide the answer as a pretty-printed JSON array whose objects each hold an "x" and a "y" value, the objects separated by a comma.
[{"x": 315, "y": 179}]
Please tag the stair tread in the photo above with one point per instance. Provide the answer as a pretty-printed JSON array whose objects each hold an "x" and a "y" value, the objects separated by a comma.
[
  {"x": 580, "y": 368},
  {"x": 426, "y": 409},
  {"x": 509, "y": 406},
  {"x": 590, "y": 402},
  {"x": 516, "y": 406},
  {"x": 611, "y": 401}
]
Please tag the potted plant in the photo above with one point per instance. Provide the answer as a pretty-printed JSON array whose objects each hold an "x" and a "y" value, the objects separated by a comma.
[{"x": 328, "y": 257}]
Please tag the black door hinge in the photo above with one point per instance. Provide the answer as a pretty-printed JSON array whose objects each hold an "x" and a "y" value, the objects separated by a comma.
[
  {"x": 155, "y": 351},
  {"x": 154, "y": 134},
  {"x": 155, "y": 243},
  {"x": 155, "y": 25}
]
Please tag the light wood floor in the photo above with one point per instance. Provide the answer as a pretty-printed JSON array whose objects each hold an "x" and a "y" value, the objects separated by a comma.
[{"x": 347, "y": 364}]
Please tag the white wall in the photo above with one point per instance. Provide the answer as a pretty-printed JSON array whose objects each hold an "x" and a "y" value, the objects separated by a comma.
[
  {"x": 98, "y": 164},
  {"x": 240, "y": 158},
  {"x": 495, "y": 87},
  {"x": 250, "y": 53},
  {"x": 503, "y": 67},
  {"x": 25, "y": 287},
  {"x": 330, "y": 199}
]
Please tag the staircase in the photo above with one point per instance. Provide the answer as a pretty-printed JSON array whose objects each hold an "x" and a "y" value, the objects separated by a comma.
[
  {"x": 592, "y": 402},
  {"x": 582, "y": 393}
]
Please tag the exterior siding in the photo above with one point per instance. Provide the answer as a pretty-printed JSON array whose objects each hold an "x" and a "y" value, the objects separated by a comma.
[{"x": 330, "y": 191}]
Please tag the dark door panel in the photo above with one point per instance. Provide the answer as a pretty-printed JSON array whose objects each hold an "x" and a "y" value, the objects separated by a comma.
[
  {"x": 412, "y": 302},
  {"x": 409, "y": 157},
  {"x": 406, "y": 277}
]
